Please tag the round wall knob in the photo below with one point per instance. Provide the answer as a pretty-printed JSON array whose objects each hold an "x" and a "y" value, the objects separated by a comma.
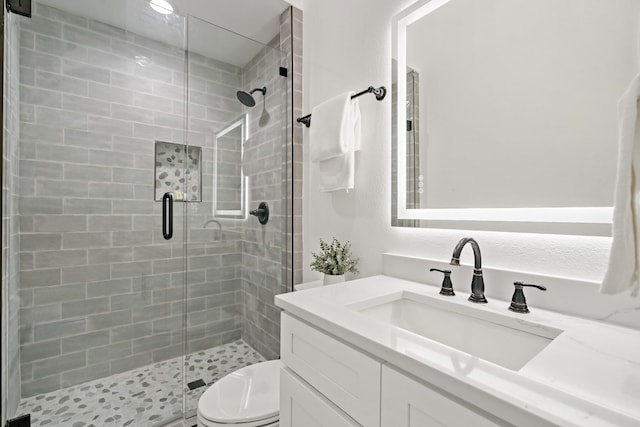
[{"x": 262, "y": 213}]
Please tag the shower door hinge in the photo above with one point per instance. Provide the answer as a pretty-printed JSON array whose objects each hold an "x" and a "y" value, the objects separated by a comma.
[
  {"x": 23, "y": 421},
  {"x": 21, "y": 7},
  {"x": 284, "y": 72}
]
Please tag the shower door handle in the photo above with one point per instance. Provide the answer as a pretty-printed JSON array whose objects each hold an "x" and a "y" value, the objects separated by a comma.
[{"x": 167, "y": 216}]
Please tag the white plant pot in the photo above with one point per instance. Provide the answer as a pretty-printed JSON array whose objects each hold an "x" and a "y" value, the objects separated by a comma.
[{"x": 330, "y": 280}]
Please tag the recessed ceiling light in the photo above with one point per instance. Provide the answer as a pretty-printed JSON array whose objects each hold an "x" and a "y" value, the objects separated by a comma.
[{"x": 161, "y": 6}]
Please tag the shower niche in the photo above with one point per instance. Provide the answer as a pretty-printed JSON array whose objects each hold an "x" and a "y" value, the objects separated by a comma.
[{"x": 178, "y": 168}]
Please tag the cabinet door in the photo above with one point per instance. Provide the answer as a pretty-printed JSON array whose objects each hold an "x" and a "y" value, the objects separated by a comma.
[
  {"x": 408, "y": 403},
  {"x": 347, "y": 377},
  {"x": 302, "y": 406}
]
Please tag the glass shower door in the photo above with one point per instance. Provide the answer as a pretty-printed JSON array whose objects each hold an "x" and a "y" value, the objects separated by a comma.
[
  {"x": 237, "y": 114},
  {"x": 102, "y": 271}
]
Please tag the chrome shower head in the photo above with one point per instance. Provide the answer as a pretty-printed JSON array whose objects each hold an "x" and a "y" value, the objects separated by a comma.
[{"x": 247, "y": 98}]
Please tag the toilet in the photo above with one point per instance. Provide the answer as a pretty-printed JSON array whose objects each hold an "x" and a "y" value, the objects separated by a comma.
[{"x": 248, "y": 397}]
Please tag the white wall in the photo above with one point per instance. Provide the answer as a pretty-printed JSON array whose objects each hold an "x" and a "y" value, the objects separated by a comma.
[{"x": 347, "y": 46}]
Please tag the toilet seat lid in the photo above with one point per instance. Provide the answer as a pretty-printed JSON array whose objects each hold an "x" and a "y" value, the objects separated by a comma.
[{"x": 249, "y": 394}]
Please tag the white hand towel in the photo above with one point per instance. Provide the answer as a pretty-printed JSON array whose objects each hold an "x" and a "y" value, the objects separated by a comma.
[
  {"x": 335, "y": 128},
  {"x": 337, "y": 173},
  {"x": 624, "y": 261}
]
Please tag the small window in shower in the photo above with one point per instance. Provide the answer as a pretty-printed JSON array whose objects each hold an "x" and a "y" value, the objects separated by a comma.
[
  {"x": 230, "y": 183},
  {"x": 178, "y": 170}
]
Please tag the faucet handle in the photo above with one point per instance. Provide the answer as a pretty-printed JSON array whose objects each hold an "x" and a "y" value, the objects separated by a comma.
[
  {"x": 447, "y": 286},
  {"x": 518, "y": 301}
]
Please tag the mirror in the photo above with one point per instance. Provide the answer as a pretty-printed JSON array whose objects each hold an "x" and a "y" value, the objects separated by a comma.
[
  {"x": 509, "y": 109},
  {"x": 230, "y": 183}
]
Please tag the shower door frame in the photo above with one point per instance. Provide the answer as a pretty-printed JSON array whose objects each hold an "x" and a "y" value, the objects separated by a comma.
[{"x": 3, "y": 298}]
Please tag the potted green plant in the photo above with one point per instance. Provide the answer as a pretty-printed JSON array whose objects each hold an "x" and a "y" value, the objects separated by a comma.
[{"x": 334, "y": 260}]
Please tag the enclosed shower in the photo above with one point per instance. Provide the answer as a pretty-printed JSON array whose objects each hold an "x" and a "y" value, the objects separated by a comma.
[{"x": 133, "y": 273}]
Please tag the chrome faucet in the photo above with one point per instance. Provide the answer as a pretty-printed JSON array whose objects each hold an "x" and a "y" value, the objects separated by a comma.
[{"x": 477, "y": 283}]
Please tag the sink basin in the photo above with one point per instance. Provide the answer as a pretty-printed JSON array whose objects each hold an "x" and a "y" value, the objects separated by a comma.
[{"x": 503, "y": 340}]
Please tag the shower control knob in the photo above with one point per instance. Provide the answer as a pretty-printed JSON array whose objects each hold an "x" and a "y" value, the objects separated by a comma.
[{"x": 262, "y": 213}]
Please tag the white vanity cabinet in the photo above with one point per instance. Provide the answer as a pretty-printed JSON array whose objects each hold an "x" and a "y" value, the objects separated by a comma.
[
  {"x": 345, "y": 376},
  {"x": 409, "y": 403},
  {"x": 328, "y": 383},
  {"x": 363, "y": 355},
  {"x": 301, "y": 405}
]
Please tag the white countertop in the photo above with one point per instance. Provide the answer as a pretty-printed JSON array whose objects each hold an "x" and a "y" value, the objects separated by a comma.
[{"x": 587, "y": 376}]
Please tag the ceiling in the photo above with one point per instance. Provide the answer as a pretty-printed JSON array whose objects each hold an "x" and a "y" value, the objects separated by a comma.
[
  {"x": 248, "y": 21},
  {"x": 256, "y": 19}
]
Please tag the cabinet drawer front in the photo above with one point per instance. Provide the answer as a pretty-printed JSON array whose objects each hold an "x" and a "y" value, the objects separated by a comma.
[
  {"x": 301, "y": 406},
  {"x": 408, "y": 403},
  {"x": 345, "y": 376}
]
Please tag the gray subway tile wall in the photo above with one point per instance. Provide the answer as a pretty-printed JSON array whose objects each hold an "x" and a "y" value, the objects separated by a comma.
[{"x": 101, "y": 292}]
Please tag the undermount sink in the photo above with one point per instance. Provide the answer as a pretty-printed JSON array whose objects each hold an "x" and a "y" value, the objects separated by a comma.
[{"x": 506, "y": 341}]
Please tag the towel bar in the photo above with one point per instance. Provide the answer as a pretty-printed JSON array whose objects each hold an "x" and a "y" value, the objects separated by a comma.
[{"x": 379, "y": 92}]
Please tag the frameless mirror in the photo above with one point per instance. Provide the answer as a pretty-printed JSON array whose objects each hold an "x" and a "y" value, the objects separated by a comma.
[
  {"x": 230, "y": 182},
  {"x": 505, "y": 110}
]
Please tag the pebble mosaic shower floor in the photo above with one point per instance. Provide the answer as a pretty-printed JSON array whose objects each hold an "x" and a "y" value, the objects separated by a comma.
[{"x": 146, "y": 396}]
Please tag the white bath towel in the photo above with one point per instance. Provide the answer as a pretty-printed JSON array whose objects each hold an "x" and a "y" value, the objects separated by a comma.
[
  {"x": 624, "y": 261},
  {"x": 335, "y": 128},
  {"x": 338, "y": 173}
]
